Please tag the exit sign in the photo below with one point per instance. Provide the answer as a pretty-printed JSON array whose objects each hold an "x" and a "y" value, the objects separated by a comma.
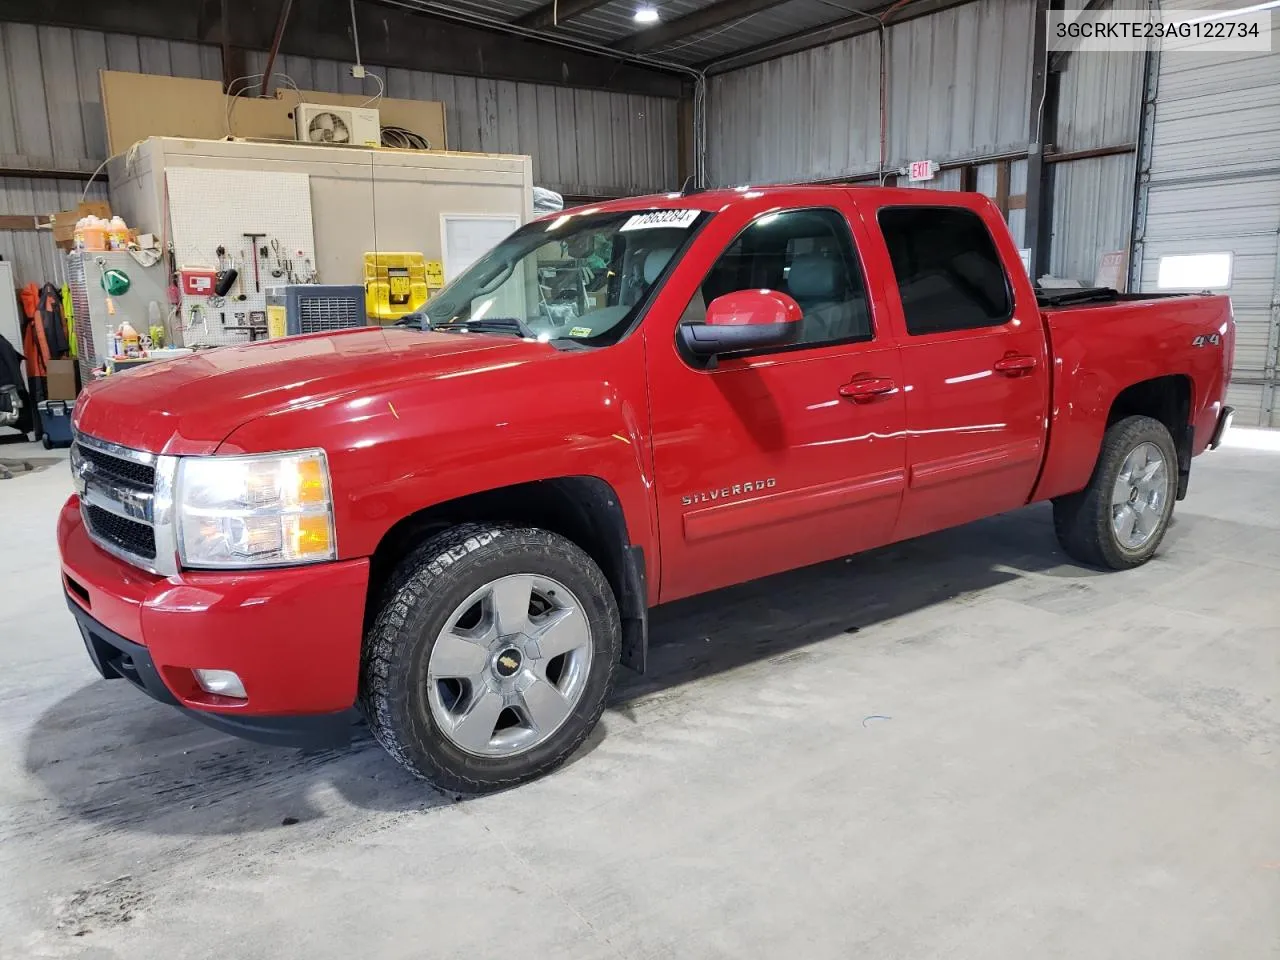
[{"x": 921, "y": 170}]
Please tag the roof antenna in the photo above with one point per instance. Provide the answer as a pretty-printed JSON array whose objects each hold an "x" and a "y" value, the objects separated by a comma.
[{"x": 690, "y": 187}]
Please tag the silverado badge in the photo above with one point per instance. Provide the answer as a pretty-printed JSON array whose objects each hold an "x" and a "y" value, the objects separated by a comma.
[{"x": 727, "y": 493}]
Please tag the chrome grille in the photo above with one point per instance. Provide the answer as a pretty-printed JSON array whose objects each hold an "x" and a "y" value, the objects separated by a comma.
[
  {"x": 119, "y": 469},
  {"x": 131, "y": 536},
  {"x": 125, "y": 500}
]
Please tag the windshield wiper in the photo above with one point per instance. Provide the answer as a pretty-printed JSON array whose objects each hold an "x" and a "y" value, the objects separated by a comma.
[{"x": 489, "y": 325}]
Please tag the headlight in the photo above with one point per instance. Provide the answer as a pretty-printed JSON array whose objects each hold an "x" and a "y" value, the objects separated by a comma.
[{"x": 266, "y": 511}]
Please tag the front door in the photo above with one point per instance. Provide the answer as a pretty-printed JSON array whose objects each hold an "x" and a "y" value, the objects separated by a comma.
[
  {"x": 773, "y": 460},
  {"x": 976, "y": 370}
]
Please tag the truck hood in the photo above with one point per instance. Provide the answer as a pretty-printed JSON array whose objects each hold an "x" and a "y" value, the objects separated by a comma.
[{"x": 190, "y": 405}]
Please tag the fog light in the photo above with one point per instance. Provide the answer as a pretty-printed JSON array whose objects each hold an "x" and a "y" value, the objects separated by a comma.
[{"x": 224, "y": 683}]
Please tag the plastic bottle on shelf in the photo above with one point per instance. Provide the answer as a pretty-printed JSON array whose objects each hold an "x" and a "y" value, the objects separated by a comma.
[
  {"x": 95, "y": 234},
  {"x": 78, "y": 234},
  {"x": 129, "y": 340},
  {"x": 117, "y": 234}
]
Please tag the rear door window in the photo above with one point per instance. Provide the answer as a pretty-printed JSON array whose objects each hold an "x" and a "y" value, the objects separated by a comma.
[{"x": 948, "y": 270}]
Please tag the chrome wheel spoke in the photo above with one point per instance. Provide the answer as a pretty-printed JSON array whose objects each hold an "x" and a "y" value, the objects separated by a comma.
[
  {"x": 509, "y": 601},
  {"x": 545, "y": 706},
  {"x": 1126, "y": 519},
  {"x": 474, "y": 729},
  {"x": 457, "y": 657},
  {"x": 562, "y": 631}
]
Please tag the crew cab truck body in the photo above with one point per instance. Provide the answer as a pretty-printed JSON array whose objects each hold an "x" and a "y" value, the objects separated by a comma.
[{"x": 460, "y": 529}]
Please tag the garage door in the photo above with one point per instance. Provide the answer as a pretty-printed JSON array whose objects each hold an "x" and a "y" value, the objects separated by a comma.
[{"x": 1214, "y": 189}]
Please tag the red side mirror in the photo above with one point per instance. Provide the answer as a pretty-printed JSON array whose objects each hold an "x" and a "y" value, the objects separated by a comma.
[
  {"x": 744, "y": 320},
  {"x": 752, "y": 308}
]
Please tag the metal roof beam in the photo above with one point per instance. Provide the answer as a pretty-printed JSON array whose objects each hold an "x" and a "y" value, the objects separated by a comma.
[
  {"x": 553, "y": 14},
  {"x": 823, "y": 35},
  {"x": 708, "y": 18}
]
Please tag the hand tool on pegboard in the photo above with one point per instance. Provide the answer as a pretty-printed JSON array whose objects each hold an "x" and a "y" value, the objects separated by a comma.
[
  {"x": 253, "y": 239},
  {"x": 226, "y": 276}
]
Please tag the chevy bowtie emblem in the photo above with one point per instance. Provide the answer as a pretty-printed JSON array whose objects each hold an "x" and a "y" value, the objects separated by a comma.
[{"x": 508, "y": 662}]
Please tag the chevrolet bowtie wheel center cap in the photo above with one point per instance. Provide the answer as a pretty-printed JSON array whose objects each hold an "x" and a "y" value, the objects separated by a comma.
[{"x": 507, "y": 663}]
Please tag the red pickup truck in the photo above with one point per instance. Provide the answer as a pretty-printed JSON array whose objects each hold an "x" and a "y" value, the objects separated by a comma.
[{"x": 458, "y": 526}]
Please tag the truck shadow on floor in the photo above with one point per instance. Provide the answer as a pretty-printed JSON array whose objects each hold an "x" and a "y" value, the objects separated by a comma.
[{"x": 108, "y": 755}]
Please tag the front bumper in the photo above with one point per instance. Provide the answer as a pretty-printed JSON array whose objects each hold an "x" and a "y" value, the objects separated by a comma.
[{"x": 292, "y": 635}]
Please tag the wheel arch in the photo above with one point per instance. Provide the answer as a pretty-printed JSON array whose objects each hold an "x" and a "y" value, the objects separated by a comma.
[
  {"x": 585, "y": 510},
  {"x": 1169, "y": 399}
]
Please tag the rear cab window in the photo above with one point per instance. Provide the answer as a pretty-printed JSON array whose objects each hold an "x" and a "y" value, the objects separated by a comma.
[{"x": 949, "y": 274}]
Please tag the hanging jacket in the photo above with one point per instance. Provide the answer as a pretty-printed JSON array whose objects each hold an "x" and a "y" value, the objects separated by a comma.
[
  {"x": 35, "y": 348},
  {"x": 54, "y": 322}
]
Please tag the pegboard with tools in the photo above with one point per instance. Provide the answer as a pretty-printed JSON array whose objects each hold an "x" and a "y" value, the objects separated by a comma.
[{"x": 235, "y": 234}]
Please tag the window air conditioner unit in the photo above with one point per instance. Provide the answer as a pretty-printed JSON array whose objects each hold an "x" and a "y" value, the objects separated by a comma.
[{"x": 344, "y": 126}]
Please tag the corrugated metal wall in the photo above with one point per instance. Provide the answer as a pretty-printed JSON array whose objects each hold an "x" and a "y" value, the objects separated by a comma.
[
  {"x": 1215, "y": 187},
  {"x": 1098, "y": 107},
  {"x": 958, "y": 89},
  {"x": 959, "y": 82},
  {"x": 1098, "y": 101},
  {"x": 583, "y": 142},
  {"x": 1092, "y": 213},
  {"x": 51, "y": 117}
]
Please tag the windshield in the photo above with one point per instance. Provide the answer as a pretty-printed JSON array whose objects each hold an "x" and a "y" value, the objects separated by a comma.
[{"x": 577, "y": 277}]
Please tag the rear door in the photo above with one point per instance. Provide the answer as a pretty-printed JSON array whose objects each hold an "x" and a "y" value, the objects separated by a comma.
[
  {"x": 772, "y": 460},
  {"x": 975, "y": 359}
]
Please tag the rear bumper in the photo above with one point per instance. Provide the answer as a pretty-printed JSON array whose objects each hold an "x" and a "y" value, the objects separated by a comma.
[
  {"x": 1222, "y": 426},
  {"x": 292, "y": 635}
]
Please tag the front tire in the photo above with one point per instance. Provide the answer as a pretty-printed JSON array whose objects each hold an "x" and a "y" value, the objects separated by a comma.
[
  {"x": 491, "y": 659},
  {"x": 1118, "y": 521}
]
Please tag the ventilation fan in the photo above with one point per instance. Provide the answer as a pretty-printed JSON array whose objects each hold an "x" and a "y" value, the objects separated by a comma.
[
  {"x": 328, "y": 127},
  {"x": 326, "y": 124}
]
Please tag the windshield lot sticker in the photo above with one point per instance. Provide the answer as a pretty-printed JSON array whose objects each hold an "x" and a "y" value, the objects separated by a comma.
[
  {"x": 681, "y": 219},
  {"x": 579, "y": 331}
]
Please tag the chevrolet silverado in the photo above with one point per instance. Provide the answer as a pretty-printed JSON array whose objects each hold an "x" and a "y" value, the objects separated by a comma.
[{"x": 457, "y": 526}]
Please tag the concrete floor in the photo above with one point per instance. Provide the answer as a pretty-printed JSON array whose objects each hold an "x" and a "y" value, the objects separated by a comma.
[{"x": 962, "y": 746}]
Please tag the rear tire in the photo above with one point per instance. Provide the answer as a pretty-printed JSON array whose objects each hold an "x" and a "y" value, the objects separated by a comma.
[
  {"x": 1119, "y": 519},
  {"x": 473, "y": 690}
]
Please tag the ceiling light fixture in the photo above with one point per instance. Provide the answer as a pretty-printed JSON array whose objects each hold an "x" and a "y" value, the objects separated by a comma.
[{"x": 646, "y": 15}]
